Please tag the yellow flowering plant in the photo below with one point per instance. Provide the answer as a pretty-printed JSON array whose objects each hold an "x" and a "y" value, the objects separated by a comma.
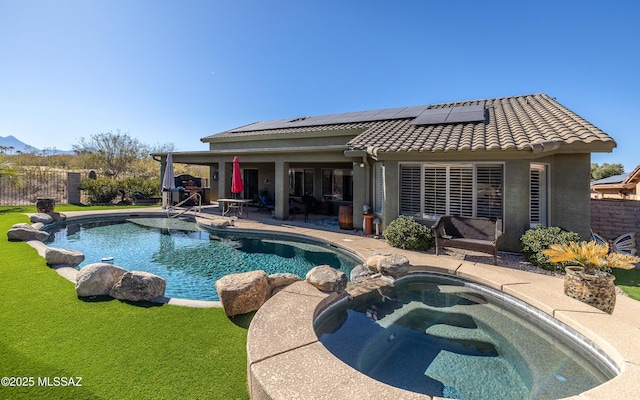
[{"x": 593, "y": 257}]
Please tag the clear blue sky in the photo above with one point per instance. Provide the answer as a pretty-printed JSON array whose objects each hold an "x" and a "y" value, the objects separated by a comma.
[{"x": 176, "y": 71}]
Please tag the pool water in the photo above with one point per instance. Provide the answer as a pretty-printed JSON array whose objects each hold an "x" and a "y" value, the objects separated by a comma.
[
  {"x": 442, "y": 337},
  {"x": 192, "y": 260}
]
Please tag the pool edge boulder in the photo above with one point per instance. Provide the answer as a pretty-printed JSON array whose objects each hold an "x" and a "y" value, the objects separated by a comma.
[
  {"x": 138, "y": 286},
  {"x": 98, "y": 279},
  {"x": 57, "y": 256},
  {"x": 244, "y": 292},
  {"x": 327, "y": 279}
]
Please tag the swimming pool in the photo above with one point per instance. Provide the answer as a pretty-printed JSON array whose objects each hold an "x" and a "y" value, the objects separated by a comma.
[
  {"x": 189, "y": 258},
  {"x": 444, "y": 336}
]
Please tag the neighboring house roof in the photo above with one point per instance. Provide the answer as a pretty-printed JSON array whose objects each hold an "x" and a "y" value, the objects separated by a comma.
[
  {"x": 535, "y": 123},
  {"x": 610, "y": 180},
  {"x": 624, "y": 181}
]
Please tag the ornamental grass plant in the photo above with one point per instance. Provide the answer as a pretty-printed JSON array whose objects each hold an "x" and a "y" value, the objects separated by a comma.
[{"x": 596, "y": 259}]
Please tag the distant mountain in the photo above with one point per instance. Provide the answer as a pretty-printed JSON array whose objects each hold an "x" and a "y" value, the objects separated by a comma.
[{"x": 13, "y": 145}]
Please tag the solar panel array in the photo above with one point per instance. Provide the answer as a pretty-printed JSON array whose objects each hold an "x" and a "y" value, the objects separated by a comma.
[
  {"x": 450, "y": 115},
  {"x": 423, "y": 116}
]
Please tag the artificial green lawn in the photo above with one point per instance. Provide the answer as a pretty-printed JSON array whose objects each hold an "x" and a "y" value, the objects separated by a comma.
[
  {"x": 629, "y": 281},
  {"x": 120, "y": 350}
]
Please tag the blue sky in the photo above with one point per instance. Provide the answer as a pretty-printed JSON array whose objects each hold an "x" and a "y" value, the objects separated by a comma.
[{"x": 177, "y": 71}]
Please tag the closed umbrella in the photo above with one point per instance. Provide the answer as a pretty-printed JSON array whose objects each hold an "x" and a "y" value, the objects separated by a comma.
[
  {"x": 168, "y": 181},
  {"x": 236, "y": 180}
]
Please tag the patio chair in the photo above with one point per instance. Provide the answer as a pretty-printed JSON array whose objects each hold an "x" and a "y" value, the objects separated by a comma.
[{"x": 266, "y": 202}]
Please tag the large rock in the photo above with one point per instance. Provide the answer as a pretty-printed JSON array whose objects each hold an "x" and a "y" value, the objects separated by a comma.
[
  {"x": 219, "y": 223},
  {"x": 388, "y": 264},
  {"x": 359, "y": 271},
  {"x": 327, "y": 279},
  {"x": 26, "y": 233},
  {"x": 243, "y": 293},
  {"x": 98, "y": 279},
  {"x": 277, "y": 282},
  {"x": 138, "y": 286},
  {"x": 41, "y": 217},
  {"x": 56, "y": 256}
]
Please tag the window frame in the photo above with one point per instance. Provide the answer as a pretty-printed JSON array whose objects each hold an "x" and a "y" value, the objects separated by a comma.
[
  {"x": 448, "y": 178},
  {"x": 544, "y": 191}
]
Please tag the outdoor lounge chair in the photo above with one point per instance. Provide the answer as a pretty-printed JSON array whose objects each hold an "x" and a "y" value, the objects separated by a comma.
[{"x": 266, "y": 202}]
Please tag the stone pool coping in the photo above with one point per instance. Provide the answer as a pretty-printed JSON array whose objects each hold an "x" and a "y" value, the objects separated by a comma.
[{"x": 297, "y": 365}]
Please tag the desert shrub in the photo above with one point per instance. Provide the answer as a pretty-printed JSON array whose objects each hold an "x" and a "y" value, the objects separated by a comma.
[
  {"x": 132, "y": 187},
  {"x": 406, "y": 233},
  {"x": 101, "y": 190},
  {"x": 535, "y": 240}
]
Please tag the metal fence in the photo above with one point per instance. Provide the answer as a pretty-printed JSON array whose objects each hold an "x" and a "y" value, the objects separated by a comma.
[{"x": 28, "y": 185}]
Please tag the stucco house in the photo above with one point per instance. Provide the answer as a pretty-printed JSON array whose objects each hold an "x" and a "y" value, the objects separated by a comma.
[
  {"x": 621, "y": 187},
  {"x": 525, "y": 159}
]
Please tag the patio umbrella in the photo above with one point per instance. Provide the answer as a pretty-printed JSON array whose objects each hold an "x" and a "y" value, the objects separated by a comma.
[
  {"x": 168, "y": 181},
  {"x": 236, "y": 180}
]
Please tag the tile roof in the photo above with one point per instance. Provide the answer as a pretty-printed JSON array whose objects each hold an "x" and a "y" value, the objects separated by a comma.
[{"x": 531, "y": 122}]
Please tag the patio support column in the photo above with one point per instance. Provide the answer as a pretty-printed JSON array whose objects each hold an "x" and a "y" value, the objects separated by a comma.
[
  {"x": 213, "y": 183},
  {"x": 281, "y": 190},
  {"x": 222, "y": 180},
  {"x": 391, "y": 206},
  {"x": 360, "y": 192}
]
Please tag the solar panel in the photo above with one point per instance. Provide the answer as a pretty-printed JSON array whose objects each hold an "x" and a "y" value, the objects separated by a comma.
[
  {"x": 432, "y": 116},
  {"x": 349, "y": 117},
  {"x": 450, "y": 115}
]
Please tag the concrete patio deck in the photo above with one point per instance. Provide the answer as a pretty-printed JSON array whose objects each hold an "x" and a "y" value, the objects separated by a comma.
[{"x": 285, "y": 359}]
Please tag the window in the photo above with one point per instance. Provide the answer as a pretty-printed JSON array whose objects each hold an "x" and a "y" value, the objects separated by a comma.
[
  {"x": 538, "y": 192},
  {"x": 337, "y": 184},
  {"x": 300, "y": 182},
  {"x": 432, "y": 190}
]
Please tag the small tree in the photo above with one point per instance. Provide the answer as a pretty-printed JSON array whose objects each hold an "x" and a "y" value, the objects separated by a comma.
[
  {"x": 112, "y": 153},
  {"x": 605, "y": 170}
]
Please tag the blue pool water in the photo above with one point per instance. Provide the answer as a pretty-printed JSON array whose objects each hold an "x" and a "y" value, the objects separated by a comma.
[
  {"x": 190, "y": 259},
  {"x": 450, "y": 338}
]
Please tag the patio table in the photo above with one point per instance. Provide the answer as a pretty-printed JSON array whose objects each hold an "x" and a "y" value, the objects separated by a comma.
[{"x": 227, "y": 206}]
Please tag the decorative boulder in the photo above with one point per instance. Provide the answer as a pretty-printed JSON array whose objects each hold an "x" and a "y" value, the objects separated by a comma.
[
  {"x": 138, "y": 286},
  {"x": 41, "y": 217},
  {"x": 26, "y": 234},
  {"x": 22, "y": 225},
  {"x": 219, "y": 223},
  {"x": 57, "y": 216},
  {"x": 388, "y": 264},
  {"x": 98, "y": 279},
  {"x": 244, "y": 292},
  {"x": 327, "y": 279},
  {"x": 56, "y": 256},
  {"x": 277, "y": 282},
  {"x": 359, "y": 271}
]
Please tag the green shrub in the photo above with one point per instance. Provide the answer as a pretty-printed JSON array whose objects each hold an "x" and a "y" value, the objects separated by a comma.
[
  {"x": 535, "y": 240},
  {"x": 101, "y": 190},
  {"x": 406, "y": 233},
  {"x": 131, "y": 187}
]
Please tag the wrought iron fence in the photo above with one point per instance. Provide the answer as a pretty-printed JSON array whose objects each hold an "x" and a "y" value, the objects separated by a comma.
[{"x": 27, "y": 185}]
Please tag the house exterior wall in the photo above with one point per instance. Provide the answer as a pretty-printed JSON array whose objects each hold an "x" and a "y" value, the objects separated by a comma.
[
  {"x": 325, "y": 138},
  {"x": 570, "y": 203}
]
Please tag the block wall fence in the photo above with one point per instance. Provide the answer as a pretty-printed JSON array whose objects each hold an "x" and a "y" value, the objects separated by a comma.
[{"x": 612, "y": 218}]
